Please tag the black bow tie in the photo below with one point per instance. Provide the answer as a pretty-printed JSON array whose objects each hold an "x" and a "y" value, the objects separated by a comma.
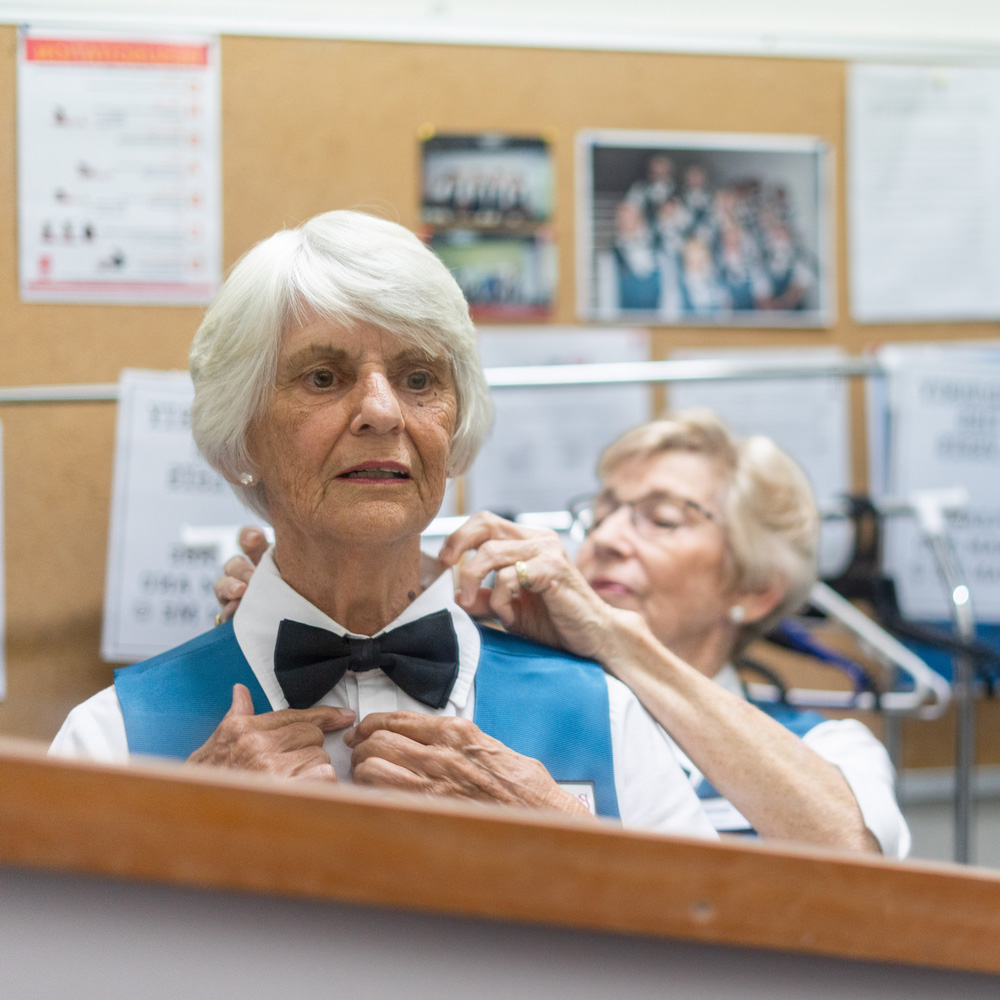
[{"x": 420, "y": 657}]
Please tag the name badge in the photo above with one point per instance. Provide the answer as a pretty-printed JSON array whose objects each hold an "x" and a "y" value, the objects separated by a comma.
[
  {"x": 584, "y": 791},
  {"x": 725, "y": 817}
]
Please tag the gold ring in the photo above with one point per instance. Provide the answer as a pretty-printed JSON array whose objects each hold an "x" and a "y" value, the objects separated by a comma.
[
  {"x": 522, "y": 575},
  {"x": 218, "y": 618}
]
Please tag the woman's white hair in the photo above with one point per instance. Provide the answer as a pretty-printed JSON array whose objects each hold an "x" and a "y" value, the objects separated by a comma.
[
  {"x": 769, "y": 512},
  {"x": 348, "y": 268}
]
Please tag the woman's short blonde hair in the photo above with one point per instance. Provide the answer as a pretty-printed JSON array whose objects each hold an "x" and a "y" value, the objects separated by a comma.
[
  {"x": 348, "y": 268},
  {"x": 769, "y": 512}
]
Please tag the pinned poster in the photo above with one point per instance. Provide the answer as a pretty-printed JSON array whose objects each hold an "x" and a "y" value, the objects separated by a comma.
[
  {"x": 944, "y": 431},
  {"x": 486, "y": 205},
  {"x": 807, "y": 417},
  {"x": 924, "y": 221},
  {"x": 119, "y": 177},
  {"x": 545, "y": 441},
  {"x": 168, "y": 507}
]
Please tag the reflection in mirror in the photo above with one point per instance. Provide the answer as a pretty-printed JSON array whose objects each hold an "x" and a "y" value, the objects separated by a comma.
[{"x": 696, "y": 546}]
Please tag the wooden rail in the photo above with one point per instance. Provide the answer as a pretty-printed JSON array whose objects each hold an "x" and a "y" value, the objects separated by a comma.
[{"x": 221, "y": 830}]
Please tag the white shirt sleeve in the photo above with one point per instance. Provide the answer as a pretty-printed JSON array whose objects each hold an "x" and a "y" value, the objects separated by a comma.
[
  {"x": 94, "y": 730},
  {"x": 864, "y": 763},
  {"x": 653, "y": 792}
]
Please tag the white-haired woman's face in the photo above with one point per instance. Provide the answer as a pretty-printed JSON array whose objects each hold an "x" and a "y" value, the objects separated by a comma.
[
  {"x": 660, "y": 549},
  {"x": 355, "y": 441}
]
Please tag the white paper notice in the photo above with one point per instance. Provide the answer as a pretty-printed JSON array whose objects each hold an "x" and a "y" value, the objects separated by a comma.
[
  {"x": 158, "y": 591},
  {"x": 944, "y": 431},
  {"x": 808, "y": 417},
  {"x": 545, "y": 441},
  {"x": 119, "y": 188},
  {"x": 923, "y": 163}
]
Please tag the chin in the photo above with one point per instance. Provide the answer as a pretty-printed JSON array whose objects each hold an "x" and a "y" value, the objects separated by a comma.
[{"x": 378, "y": 523}]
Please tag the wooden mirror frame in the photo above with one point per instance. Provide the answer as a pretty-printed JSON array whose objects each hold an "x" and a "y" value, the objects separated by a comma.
[{"x": 212, "y": 829}]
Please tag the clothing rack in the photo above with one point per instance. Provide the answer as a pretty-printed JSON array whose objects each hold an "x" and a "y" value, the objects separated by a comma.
[
  {"x": 692, "y": 370},
  {"x": 522, "y": 377}
]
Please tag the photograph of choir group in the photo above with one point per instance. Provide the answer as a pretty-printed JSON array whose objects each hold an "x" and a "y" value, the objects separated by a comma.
[
  {"x": 486, "y": 205},
  {"x": 719, "y": 229}
]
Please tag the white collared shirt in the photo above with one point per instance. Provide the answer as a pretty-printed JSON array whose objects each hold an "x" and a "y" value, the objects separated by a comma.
[
  {"x": 853, "y": 749},
  {"x": 653, "y": 791}
]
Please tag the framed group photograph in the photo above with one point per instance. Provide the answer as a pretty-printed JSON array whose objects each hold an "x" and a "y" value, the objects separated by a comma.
[
  {"x": 704, "y": 228},
  {"x": 486, "y": 208}
]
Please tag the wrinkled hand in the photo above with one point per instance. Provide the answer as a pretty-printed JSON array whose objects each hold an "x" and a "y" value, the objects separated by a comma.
[
  {"x": 453, "y": 757},
  {"x": 558, "y": 606},
  {"x": 232, "y": 585},
  {"x": 287, "y": 743}
]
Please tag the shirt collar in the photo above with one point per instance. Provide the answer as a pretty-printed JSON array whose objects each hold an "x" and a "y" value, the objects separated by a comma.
[{"x": 268, "y": 599}]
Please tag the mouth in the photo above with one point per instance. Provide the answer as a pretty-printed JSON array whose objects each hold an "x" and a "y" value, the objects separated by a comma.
[
  {"x": 604, "y": 586},
  {"x": 377, "y": 472}
]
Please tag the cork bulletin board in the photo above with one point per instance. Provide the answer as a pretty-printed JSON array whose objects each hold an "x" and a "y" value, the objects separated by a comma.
[{"x": 310, "y": 125}]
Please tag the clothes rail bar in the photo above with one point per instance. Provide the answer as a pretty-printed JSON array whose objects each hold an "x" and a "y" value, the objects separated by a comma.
[
  {"x": 97, "y": 393},
  {"x": 527, "y": 376}
]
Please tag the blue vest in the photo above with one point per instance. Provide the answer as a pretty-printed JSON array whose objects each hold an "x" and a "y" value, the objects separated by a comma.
[
  {"x": 636, "y": 291},
  {"x": 796, "y": 720},
  {"x": 539, "y": 702}
]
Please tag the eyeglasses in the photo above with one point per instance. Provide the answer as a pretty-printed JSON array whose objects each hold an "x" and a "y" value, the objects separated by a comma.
[{"x": 653, "y": 516}]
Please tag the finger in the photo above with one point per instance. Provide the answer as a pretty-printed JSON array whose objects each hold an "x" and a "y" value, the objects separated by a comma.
[
  {"x": 479, "y": 606},
  {"x": 426, "y": 729},
  {"x": 378, "y": 773},
  {"x": 239, "y": 568},
  {"x": 228, "y": 588},
  {"x": 319, "y": 772},
  {"x": 490, "y": 556},
  {"x": 392, "y": 747},
  {"x": 296, "y": 736},
  {"x": 371, "y": 723},
  {"x": 296, "y": 763},
  {"x": 478, "y": 529},
  {"x": 254, "y": 543},
  {"x": 242, "y": 702},
  {"x": 506, "y": 590},
  {"x": 227, "y": 611},
  {"x": 323, "y": 717}
]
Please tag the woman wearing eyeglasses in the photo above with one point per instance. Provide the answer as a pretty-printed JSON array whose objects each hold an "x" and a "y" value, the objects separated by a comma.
[{"x": 695, "y": 545}]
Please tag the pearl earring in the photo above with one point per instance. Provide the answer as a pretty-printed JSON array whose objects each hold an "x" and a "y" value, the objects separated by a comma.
[
  {"x": 737, "y": 613},
  {"x": 246, "y": 479}
]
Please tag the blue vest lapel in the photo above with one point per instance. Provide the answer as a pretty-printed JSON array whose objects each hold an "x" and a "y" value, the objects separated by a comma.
[
  {"x": 550, "y": 706},
  {"x": 173, "y": 702}
]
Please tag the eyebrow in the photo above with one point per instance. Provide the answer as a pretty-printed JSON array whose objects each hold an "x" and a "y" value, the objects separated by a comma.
[
  {"x": 329, "y": 352},
  {"x": 317, "y": 352}
]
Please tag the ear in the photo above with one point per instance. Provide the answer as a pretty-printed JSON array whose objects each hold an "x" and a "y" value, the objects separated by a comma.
[{"x": 758, "y": 604}]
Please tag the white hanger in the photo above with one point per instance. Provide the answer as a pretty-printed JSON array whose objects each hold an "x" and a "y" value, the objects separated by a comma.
[{"x": 931, "y": 693}]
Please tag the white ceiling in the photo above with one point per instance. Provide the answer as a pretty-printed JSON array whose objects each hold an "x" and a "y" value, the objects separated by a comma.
[{"x": 958, "y": 28}]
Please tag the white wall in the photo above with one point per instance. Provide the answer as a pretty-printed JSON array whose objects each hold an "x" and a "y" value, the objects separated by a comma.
[
  {"x": 969, "y": 28},
  {"x": 92, "y": 939}
]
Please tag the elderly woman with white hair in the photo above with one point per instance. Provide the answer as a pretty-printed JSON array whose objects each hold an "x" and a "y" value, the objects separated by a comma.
[
  {"x": 696, "y": 544},
  {"x": 337, "y": 387}
]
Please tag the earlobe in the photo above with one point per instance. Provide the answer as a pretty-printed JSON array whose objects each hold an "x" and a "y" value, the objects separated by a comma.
[{"x": 757, "y": 604}]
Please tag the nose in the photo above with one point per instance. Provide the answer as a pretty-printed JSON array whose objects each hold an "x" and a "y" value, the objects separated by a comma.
[
  {"x": 377, "y": 407},
  {"x": 613, "y": 534}
]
